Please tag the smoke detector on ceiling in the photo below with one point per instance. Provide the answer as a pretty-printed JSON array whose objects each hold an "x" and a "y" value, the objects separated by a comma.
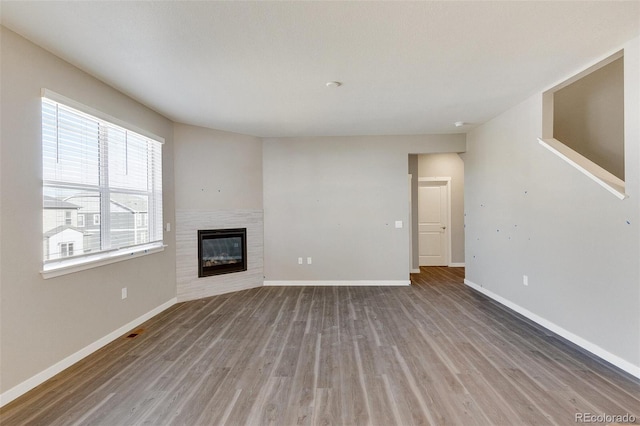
[{"x": 334, "y": 84}]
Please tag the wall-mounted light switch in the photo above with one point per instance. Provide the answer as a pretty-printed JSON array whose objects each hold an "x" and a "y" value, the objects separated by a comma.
[
  {"x": 525, "y": 280},
  {"x": 398, "y": 224},
  {"x": 308, "y": 261},
  {"x": 124, "y": 293},
  {"x": 299, "y": 261}
]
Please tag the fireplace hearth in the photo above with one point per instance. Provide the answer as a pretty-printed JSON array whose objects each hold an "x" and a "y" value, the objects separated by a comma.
[{"x": 222, "y": 251}]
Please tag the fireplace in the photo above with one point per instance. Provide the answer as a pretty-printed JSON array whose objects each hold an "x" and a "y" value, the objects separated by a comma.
[{"x": 222, "y": 251}]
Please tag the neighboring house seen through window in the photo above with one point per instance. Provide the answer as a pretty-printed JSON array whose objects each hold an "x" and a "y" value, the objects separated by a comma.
[{"x": 99, "y": 179}]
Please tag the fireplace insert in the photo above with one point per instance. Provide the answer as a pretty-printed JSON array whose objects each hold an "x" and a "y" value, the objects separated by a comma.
[{"x": 222, "y": 251}]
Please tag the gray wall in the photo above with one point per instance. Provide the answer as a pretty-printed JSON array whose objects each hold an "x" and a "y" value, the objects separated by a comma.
[
  {"x": 449, "y": 165},
  {"x": 589, "y": 117},
  {"x": 218, "y": 177},
  {"x": 336, "y": 199},
  {"x": 217, "y": 170},
  {"x": 529, "y": 212},
  {"x": 45, "y": 321}
]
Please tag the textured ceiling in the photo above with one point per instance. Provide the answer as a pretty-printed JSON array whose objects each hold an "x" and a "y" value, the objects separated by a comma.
[{"x": 260, "y": 68}]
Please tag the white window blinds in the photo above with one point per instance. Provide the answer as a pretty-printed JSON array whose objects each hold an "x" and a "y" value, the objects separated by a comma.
[{"x": 93, "y": 168}]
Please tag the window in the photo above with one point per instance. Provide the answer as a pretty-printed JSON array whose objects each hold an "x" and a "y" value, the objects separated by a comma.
[
  {"x": 101, "y": 170},
  {"x": 66, "y": 249}
]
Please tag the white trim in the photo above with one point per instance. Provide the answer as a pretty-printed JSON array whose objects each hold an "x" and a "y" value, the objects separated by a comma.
[
  {"x": 336, "y": 283},
  {"x": 415, "y": 271},
  {"x": 45, "y": 375},
  {"x": 49, "y": 94},
  {"x": 435, "y": 179},
  {"x": 69, "y": 266},
  {"x": 599, "y": 175},
  {"x": 410, "y": 224},
  {"x": 456, "y": 265},
  {"x": 630, "y": 368}
]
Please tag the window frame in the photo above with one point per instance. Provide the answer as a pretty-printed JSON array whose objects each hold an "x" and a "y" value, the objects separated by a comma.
[{"x": 62, "y": 266}]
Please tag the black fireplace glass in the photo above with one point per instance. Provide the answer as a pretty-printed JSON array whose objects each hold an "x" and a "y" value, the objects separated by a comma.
[{"x": 222, "y": 251}]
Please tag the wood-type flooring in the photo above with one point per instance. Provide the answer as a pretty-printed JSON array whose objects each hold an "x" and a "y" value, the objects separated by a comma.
[{"x": 433, "y": 353}]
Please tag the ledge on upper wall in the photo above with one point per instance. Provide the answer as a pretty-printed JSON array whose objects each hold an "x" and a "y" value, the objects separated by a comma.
[{"x": 604, "y": 178}]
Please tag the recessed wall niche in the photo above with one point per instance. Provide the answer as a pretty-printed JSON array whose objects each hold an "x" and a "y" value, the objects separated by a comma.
[{"x": 583, "y": 122}]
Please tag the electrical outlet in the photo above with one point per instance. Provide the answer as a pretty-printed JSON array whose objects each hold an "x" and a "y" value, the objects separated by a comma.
[
  {"x": 299, "y": 261},
  {"x": 124, "y": 293},
  {"x": 308, "y": 261},
  {"x": 525, "y": 280}
]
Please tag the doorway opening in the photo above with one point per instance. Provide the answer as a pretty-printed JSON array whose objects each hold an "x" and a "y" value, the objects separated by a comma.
[{"x": 437, "y": 230}]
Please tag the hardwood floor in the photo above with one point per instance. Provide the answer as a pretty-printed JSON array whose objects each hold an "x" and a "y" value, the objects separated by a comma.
[{"x": 433, "y": 353}]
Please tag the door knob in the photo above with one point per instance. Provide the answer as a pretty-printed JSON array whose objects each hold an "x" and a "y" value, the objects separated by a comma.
[{"x": 444, "y": 227}]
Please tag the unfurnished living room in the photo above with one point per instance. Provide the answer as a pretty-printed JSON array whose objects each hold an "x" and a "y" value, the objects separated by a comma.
[{"x": 313, "y": 213}]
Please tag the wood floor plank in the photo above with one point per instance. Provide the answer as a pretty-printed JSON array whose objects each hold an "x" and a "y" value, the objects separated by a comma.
[
  {"x": 270, "y": 406},
  {"x": 494, "y": 406},
  {"x": 381, "y": 411},
  {"x": 434, "y": 353},
  {"x": 303, "y": 385},
  {"x": 326, "y": 412}
]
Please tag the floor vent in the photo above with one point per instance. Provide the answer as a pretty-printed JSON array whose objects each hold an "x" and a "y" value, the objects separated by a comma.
[{"x": 135, "y": 333}]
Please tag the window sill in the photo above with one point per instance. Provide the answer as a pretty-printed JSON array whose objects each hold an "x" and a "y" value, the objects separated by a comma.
[
  {"x": 69, "y": 266},
  {"x": 607, "y": 180}
]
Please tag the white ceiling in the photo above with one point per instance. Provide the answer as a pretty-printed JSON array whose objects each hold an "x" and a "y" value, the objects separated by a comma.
[{"x": 260, "y": 68}]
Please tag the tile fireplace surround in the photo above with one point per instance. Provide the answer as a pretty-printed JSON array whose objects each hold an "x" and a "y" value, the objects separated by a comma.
[{"x": 188, "y": 222}]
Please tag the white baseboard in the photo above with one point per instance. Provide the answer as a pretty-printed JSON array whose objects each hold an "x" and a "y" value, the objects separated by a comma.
[
  {"x": 630, "y": 368},
  {"x": 337, "y": 283},
  {"x": 456, "y": 265},
  {"x": 45, "y": 375},
  {"x": 415, "y": 271}
]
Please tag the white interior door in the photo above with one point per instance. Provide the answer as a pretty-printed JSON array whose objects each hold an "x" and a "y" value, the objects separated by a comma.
[{"x": 433, "y": 223}]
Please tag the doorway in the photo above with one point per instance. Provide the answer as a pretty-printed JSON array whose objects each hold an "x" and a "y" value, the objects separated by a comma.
[{"x": 434, "y": 219}]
